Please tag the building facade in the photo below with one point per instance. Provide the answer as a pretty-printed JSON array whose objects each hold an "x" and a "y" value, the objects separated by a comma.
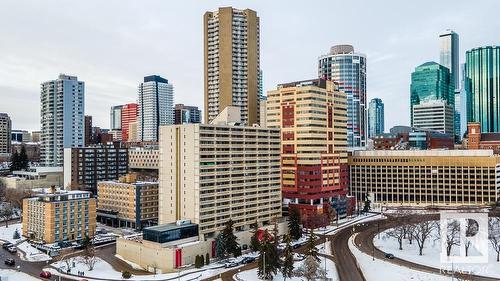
[
  {"x": 348, "y": 69},
  {"x": 127, "y": 204},
  {"x": 155, "y": 107},
  {"x": 232, "y": 63},
  {"x": 20, "y": 136},
  {"x": 482, "y": 83},
  {"x": 434, "y": 115},
  {"x": 88, "y": 140},
  {"x": 449, "y": 52},
  {"x": 59, "y": 216},
  {"x": 431, "y": 82},
  {"x": 431, "y": 177},
  {"x": 115, "y": 117},
  {"x": 129, "y": 116},
  {"x": 84, "y": 167},
  {"x": 313, "y": 118},
  {"x": 375, "y": 118},
  {"x": 143, "y": 158},
  {"x": 479, "y": 140},
  {"x": 186, "y": 114},
  {"x": 62, "y": 118},
  {"x": 5, "y": 133},
  {"x": 212, "y": 173}
]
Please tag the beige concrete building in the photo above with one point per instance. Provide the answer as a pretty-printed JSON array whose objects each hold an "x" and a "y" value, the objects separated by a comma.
[
  {"x": 312, "y": 115},
  {"x": 425, "y": 177},
  {"x": 59, "y": 216},
  {"x": 132, "y": 132},
  {"x": 127, "y": 203},
  {"x": 143, "y": 158},
  {"x": 36, "y": 177},
  {"x": 232, "y": 63},
  {"x": 212, "y": 173},
  {"x": 5, "y": 133}
]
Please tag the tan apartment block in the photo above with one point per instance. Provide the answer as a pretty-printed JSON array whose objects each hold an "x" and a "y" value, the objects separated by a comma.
[
  {"x": 127, "y": 203},
  {"x": 425, "y": 177},
  {"x": 232, "y": 63},
  {"x": 59, "y": 216},
  {"x": 143, "y": 158},
  {"x": 212, "y": 173}
]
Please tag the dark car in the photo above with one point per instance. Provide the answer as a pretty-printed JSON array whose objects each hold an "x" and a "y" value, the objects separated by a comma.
[
  {"x": 246, "y": 260},
  {"x": 389, "y": 256},
  {"x": 12, "y": 249},
  {"x": 45, "y": 274},
  {"x": 10, "y": 262},
  {"x": 7, "y": 245}
]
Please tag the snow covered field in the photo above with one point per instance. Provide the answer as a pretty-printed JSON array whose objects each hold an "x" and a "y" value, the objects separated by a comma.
[
  {"x": 6, "y": 233},
  {"x": 251, "y": 275},
  {"x": 380, "y": 270},
  {"x": 104, "y": 270},
  {"x": 7, "y": 274},
  {"x": 431, "y": 255}
]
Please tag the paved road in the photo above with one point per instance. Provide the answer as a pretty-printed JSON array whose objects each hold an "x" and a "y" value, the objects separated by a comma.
[
  {"x": 347, "y": 267},
  {"x": 364, "y": 241}
]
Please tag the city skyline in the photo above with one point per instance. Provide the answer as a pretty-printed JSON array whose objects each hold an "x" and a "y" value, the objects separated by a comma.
[{"x": 113, "y": 67}]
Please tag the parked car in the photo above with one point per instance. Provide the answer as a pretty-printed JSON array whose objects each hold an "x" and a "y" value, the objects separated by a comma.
[
  {"x": 7, "y": 245},
  {"x": 45, "y": 274},
  {"x": 10, "y": 262},
  {"x": 12, "y": 249},
  {"x": 246, "y": 260},
  {"x": 389, "y": 256},
  {"x": 231, "y": 264}
]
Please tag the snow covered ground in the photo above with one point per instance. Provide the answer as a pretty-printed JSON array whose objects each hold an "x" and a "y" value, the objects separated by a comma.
[
  {"x": 6, "y": 233},
  {"x": 104, "y": 270},
  {"x": 251, "y": 275},
  {"x": 31, "y": 253},
  {"x": 8, "y": 274},
  {"x": 431, "y": 255},
  {"x": 380, "y": 270}
]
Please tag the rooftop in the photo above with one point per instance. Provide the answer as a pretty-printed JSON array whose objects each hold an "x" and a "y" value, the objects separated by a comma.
[
  {"x": 424, "y": 153},
  {"x": 168, "y": 226}
]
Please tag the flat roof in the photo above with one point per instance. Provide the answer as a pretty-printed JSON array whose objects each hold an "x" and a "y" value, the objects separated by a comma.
[
  {"x": 422, "y": 153},
  {"x": 168, "y": 226}
]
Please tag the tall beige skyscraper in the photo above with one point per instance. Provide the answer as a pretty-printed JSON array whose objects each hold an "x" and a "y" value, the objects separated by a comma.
[{"x": 232, "y": 63}]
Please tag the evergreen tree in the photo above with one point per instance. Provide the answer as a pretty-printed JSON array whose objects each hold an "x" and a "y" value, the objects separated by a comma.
[
  {"x": 311, "y": 250},
  {"x": 16, "y": 235},
  {"x": 311, "y": 270},
  {"x": 230, "y": 242},
  {"x": 14, "y": 161},
  {"x": 367, "y": 206},
  {"x": 23, "y": 159},
  {"x": 268, "y": 258},
  {"x": 294, "y": 223},
  {"x": 220, "y": 246},
  {"x": 202, "y": 260},
  {"x": 254, "y": 240},
  {"x": 207, "y": 259},
  {"x": 287, "y": 258},
  {"x": 197, "y": 262}
]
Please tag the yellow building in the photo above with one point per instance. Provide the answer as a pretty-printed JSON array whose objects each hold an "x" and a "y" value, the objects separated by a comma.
[
  {"x": 59, "y": 216},
  {"x": 312, "y": 115},
  {"x": 127, "y": 203},
  {"x": 232, "y": 63},
  {"x": 425, "y": 177},
  {"x": 212, "y": 173}
]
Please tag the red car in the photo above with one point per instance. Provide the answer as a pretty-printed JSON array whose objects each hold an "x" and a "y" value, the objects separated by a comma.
[{"x": 45, "y": 274}]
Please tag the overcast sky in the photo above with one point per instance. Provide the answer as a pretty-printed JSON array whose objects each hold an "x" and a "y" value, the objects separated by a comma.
[{"x": 112, "y": 45}]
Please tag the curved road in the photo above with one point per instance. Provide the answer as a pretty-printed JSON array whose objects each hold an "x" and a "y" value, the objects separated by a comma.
[{"x": 364, "y": 242}]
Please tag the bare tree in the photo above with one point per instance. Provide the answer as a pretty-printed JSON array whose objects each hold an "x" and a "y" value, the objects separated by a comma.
[
  {"x": 6, "y": 213},
  {"x": 89, "y": 258},
  {"x": 398, "y": 233},
  {"x": 494, "y": 234},
  {"x": 422, "y": 232},
  {"x": 471, "y": 229},
  {"x": 311, "y": 270},
  {"x": 452, "y": 235}
]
